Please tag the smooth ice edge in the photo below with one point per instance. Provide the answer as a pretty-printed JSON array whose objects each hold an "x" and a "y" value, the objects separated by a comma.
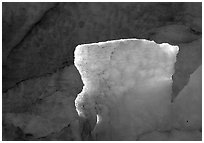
[{"x": 123, "y": 40}]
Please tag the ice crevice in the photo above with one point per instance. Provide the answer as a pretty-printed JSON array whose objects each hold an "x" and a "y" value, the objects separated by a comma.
[{"x": 127, "y": 89}]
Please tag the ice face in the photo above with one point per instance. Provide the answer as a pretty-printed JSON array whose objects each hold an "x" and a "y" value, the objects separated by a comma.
[{"x": 127, "y": 83}]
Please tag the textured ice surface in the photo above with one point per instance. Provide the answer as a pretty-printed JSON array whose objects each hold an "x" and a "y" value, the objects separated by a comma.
[{"x": 128, "y": 85}]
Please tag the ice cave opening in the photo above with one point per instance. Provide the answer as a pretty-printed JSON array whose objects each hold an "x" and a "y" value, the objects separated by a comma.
[{"x": 127, "y": 92}]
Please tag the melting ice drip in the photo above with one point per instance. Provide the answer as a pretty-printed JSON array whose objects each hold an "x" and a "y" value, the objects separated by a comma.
[{"x": 127, "y": 85}]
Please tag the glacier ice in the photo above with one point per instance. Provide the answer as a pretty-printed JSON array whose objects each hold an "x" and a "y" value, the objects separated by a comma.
[{"x": 127, "y": 83}]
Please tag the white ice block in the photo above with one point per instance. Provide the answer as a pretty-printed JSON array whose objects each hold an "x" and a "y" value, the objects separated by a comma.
[{"x": 127, "y": 86}]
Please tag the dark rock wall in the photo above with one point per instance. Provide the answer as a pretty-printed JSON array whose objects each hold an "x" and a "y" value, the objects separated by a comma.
[
  {"x": 56, "y": 29},
  {"x": 18, "y": 20}
]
